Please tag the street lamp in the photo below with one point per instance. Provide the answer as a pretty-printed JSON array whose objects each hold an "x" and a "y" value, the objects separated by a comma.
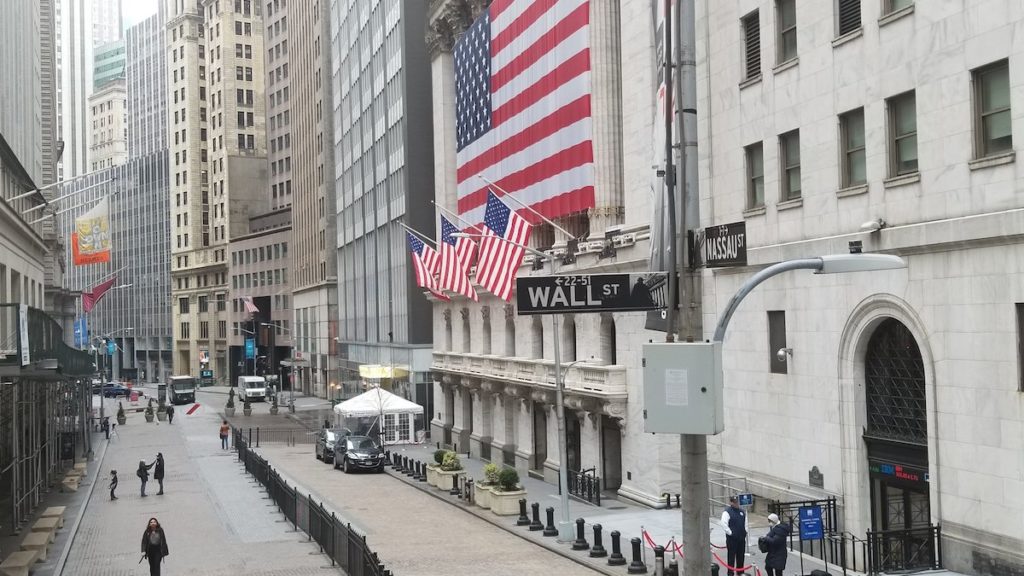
[
  {"x": 693, "y": 447},
  {"x": 565, "y": 526}
]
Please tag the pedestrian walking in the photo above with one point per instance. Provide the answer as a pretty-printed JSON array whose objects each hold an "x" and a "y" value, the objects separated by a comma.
[
  {"x": 734, "y": 522},
  {"x": 113, "y": 484},
  {"x": 775, "y": 557},
  {"x": 154, "y": 546},
  {"x": 143, "y": 474},
  {"x": 224, "y": 431},
  {"x": 105, "y": 426},
  {"x": 170, "y": 414},
  {"x": 158, "y": 472}
]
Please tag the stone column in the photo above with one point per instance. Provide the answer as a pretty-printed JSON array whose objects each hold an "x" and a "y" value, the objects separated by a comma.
[
  {"x": 524, "y": 434},
  {"x": 437, "y": 418},
  {"x": 590, "y": 441},
  {"x": 447, "y": 21},
  {"x": 554, "y": 459},
  {"x": 479, "y": 436},
  {"x": 459, "y": 425},
  {"x": 606, "y": 100}
]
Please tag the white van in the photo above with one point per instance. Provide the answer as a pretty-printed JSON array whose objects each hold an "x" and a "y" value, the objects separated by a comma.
[{"x": 252, "y": 387}]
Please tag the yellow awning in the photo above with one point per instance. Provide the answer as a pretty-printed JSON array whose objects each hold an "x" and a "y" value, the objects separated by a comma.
[{"x": 377, "y": 371}]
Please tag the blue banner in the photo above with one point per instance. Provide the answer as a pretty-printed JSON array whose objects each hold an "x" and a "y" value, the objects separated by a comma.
[
  {"x": 111, "y": 347},
  {"x": 250, "y": 348},
  {"x": 81, "y": 333}
]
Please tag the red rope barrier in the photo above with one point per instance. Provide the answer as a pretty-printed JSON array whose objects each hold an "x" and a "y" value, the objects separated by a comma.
[{"x": 731, "y": 568}]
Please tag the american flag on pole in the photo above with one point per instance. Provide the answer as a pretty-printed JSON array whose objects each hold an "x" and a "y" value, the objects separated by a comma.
[
  {"x": 501, "y": 252},
  {"x": 424, "y": 264},
  {"x": 522, "y": 83},
  {"x": 250, "y": 308},
  {"x": 455, "y": 253}
]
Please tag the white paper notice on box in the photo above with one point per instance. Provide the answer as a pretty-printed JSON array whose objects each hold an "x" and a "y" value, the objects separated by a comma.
[{"x": 683, "y": 388}]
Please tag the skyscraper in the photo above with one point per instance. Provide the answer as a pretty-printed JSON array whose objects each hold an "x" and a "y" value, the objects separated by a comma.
[
  {"x": 215, "y": 125},
  {"x": 303, "y": 132},
  {"x": 384, "y": 177},
  {"x": 108, "y": 63}
]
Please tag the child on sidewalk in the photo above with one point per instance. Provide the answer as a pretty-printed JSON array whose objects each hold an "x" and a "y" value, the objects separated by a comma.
[{"x": 113, "y": 484}]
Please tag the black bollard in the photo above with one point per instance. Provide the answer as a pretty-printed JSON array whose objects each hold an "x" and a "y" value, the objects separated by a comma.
[
  {"x": 401, "y": 463},
  {"x": 714, "y": 569},
  {"x": 468, "y": 492},
  {"x": 659, "y": 560},
  {"x": 535, "y": 524},
  {"x": 637, "y": 566},
  {"x": 455, "y": 491},
  {"x": 581, "y": 538},
  {"x": 523, "y": 520},
  {"x": 616, "y": 558},
  {"x": 423, "y": 472},
  {"x": 411, "y": 471},
  {"x": 598, "y": 550},
  {"x": 673, "y": 568},
  {"x": 678, "y": 505},
  {"x": 550, "y": 529}
]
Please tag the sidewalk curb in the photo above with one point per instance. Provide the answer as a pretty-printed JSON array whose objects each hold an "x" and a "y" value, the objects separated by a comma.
[
  {"x": 490, "y": 518},
  {"x": 62, "y": 561}
]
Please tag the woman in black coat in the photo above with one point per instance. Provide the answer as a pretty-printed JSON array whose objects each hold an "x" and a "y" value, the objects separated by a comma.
[
  {"x": 154, "y": 546},
  {"x": 775, "y": 558}
]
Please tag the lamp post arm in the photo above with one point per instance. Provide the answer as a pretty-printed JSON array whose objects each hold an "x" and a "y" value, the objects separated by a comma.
[{"x": 753, "y": 281}]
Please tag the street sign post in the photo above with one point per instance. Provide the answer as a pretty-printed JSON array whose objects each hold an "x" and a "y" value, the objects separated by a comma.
[
  {"x": 811, "y": 526},
  {"x": 578, "y": 293}
]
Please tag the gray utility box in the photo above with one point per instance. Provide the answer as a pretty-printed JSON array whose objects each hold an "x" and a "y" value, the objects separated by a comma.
[{"x": 683, "y": 388}]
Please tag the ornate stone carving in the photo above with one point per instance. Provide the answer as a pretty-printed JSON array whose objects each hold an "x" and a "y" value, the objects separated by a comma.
[
  {"x": 614, "y": 409},
  {"x": 470, "y": 384},
  {"x": 510, "y": 311},
  {"x": 513, "y": 391},
  {"x": 447, "y": 315},
  {"x": 453, "y": 18},
  {"x": 464, "y": 312},
  {"x": 485, "y": 312},
  {"x": 541, "y": 396},
  {"x": 491, "y": 387}
]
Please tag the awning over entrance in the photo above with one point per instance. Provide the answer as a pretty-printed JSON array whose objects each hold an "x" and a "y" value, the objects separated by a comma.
[{"x": 377, "y": 371}]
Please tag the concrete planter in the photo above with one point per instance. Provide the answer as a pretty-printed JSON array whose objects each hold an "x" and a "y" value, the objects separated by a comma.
[
  {"x": 432, "y": 474},
  {"x": 247, "y": 411},
  {"x": 506, "y": 503},
  {"x": 161, "y": 415},
  {"x": 446, "y": 480},
  {"x": 121, "y": 419},
  {"x": 229, "y": 412},
  {"x": 482, "y": 495},
  {"x": 149, "y": 417}
]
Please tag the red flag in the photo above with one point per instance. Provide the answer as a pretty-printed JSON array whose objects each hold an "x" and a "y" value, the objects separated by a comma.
[{"x": 92, "y": 297}]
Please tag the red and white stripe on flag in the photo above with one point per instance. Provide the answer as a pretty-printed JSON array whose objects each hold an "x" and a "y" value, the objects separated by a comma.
[
  {"x": 452, "y": 274},
  {"x": 501, "y": 249},
  {"x": 249, "y": 306},
  {"x": 424, "y": 263},
  {"x": 523, "y": 107}
]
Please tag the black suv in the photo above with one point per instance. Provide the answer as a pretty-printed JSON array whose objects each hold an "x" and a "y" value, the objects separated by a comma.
[
  {"x": 358, "y": 453},
  {"x": 325, "y": 442}
]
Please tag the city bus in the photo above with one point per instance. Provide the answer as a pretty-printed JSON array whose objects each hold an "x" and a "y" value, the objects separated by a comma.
[{"x": 181, "y": 389}]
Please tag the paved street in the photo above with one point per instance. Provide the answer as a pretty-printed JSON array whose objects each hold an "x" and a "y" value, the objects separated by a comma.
[{"x": 217, "y": 519}]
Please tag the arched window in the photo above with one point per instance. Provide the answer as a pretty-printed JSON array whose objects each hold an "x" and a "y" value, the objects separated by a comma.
[{"x": 537, "y": 333}]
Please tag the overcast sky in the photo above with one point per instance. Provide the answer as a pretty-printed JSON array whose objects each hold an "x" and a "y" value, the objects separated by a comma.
[{"x": 135, "y": 11}]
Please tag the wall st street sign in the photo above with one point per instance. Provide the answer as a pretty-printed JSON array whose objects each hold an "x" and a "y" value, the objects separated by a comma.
[
  {"x": 591, "y": 293},
  {"x": 719, "y": 246}
]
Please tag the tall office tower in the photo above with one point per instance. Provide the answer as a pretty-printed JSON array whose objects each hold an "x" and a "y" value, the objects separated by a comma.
[
  {"x": 81, "y": 26},
  {"x": 304, "y": 68},
  {"x": 138, "y": 315},
  {"x": 108, "y": 63},
  {"x": 217, "y": 142},
  {"x": 384, "y": 177},
  {"x": 280, "y": 116},
  {"x": 109, "y": 134}
]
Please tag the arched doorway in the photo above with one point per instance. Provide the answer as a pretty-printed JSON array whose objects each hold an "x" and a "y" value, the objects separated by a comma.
[{"x": 896, "y": 434}]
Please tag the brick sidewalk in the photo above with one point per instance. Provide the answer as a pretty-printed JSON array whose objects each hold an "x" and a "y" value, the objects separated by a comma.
[{"x": 217, "y": 520}]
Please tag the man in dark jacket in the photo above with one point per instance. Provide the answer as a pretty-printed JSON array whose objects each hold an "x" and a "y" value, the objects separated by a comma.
[
  {"x": 734, "y": 522},
  {"x": 775, "y": 558},
  {"x": 158, "y": 472}
]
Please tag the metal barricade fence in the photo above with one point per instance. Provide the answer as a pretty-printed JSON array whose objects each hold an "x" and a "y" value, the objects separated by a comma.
[{"x": 337, "y": 540}]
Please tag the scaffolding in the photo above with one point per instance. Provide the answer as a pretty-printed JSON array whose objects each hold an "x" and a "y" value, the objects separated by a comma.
[{"x": 45, "y": 401}]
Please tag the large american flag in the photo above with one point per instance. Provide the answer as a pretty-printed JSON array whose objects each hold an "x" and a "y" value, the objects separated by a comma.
[
  {"x": 424, "y": 264},
  {"x": 501, "y": 252},
  {"x": 250, "y": 308},
  {"x": 522, "y": 82},
  {"x": 453, "y": 274}
]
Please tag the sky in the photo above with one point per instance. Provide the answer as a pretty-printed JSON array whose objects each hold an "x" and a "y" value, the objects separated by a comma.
[{"x": 135, "y": 11}]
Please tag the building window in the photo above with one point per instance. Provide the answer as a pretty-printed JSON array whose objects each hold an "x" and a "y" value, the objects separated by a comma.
[
  {"x": 777, "y": 351},
  {"x": 992, "y": 122},
  {"x": 851, "y": 127},
  {"x": 222, "y": 329},
  {"x": 204, "y": 330},
  {"x": 789, "y": 155},
  {"x": 183, "y": 305},
  {"x": 755, "y": 175},
  {"x": 184, "y": 330},
  {"x": 786, "y": 13},
  {"x": 891, "y": 6},
  {"x": 752, "y": 45},
  {"x": 902, "y": 134},
  {"x": 848, "y": 16},
  {"x": 204, "y": 304}
]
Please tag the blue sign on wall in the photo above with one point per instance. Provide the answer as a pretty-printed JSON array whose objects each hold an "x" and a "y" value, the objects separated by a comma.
[
  {"x": 81, "y": 333},
  {"x": 811, "y": 526},
  {"x": 111, "y": 347},
  {"x": 250, "y": 348}
]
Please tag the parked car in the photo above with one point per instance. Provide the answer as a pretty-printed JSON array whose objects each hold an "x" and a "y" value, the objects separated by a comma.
[
  {"x": 358, "y": 453},
  {"x": 115, "y": 390},
  {"x": 326, "y": 440}
]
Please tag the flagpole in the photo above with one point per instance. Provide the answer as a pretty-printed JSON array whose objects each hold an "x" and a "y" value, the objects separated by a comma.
[
  {"x": 532, "y": 211},
  {"x": 452, "y": 214},
  {"x": 418, "y": 234}
]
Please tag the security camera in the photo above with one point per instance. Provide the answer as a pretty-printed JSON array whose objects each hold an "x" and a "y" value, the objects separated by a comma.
[{"x": 782, "y": 353}]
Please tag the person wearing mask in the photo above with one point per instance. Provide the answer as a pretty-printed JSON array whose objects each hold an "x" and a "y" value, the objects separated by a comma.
[
  {"x": 734, "y": 522},
  {"x": 775, "y": 557},
  {"x": 154, "y": 546}
]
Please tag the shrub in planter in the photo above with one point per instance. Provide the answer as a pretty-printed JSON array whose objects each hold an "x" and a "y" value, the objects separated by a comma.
[
  {"x": 121, "y": 418},
  {"x": 506, "y": 495},
  {"x": 432, "y": 469},
  {"x": 449, "y": 470},
  {"x": 161, "y": 411},
  {"x": 439, "y": 456},
  {"x": 246, "y": 407},
  {"x": 149, "y": 410},
  {"x": 482, "y": 489},
  {"x": 491, "y": 471},
  {"x": 451, "y": 462},
  {"x": 229, "y": 408}
]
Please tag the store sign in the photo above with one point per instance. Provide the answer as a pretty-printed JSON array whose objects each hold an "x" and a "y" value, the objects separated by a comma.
[
  {"x": 591, "y": 293},
  {"x": 898, "y": 471},
  {"x": 719, "y": 246}
]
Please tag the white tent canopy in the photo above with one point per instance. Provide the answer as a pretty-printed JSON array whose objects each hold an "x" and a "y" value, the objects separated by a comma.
[{"x": 375, "y": 402}]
